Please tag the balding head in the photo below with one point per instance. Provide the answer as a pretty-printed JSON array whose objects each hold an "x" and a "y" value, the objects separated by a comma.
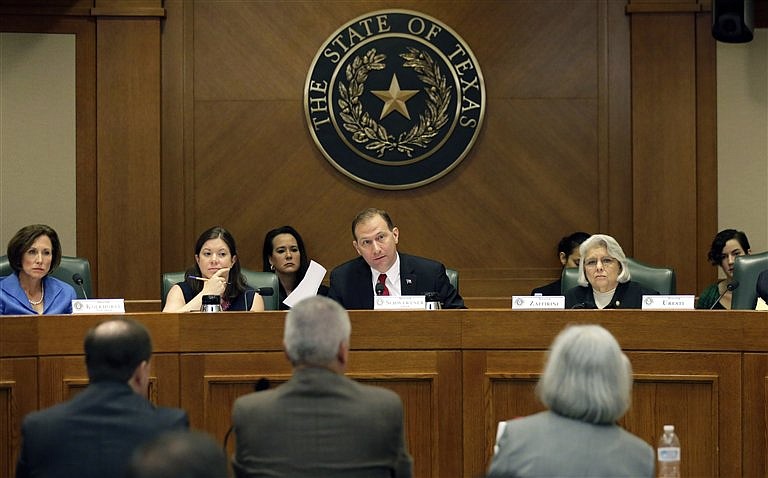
[{"x": 115, "y": 348}]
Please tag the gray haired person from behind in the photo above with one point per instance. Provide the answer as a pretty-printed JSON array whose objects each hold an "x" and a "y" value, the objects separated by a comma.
[
  {"x": 320, "y": 423},
  {"x": 586, "y": 385}
]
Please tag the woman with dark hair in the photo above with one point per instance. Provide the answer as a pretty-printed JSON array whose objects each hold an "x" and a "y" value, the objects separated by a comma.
[
  {"x": 33, "y": 253},
  {"x": 216, "y": 272},
  {"x": 568, "y": 252},
  {"x": 727, "y": 245},
  {"x": 285, "y": 255}
]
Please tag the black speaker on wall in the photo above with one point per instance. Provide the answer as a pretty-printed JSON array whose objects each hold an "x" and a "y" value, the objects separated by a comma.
[{"x": 733, "y": 20}]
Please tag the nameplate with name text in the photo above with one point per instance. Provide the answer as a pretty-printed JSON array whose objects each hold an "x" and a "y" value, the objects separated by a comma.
[
  {"x": 668, "y": 302},
  {"x": 538, "y": 302},
  {"x": 98, "y": 306},
  {"x": 401, "y": 302}
]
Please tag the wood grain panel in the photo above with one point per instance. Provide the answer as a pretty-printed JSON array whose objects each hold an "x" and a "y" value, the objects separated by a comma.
[
  {"x": 18, "y": 396},
  {"x": 664, "y": 164},
  {"x": 755, "y": 398},
  {"x": 128, "y": 93},
  {"x": 540, "y": 139}
]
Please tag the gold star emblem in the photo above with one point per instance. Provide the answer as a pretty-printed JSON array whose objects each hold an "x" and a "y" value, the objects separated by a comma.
[{"x": 394, "y": 99}]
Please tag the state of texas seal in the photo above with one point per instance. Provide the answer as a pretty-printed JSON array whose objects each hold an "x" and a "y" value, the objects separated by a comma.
[{"x": 394, "y": 99}]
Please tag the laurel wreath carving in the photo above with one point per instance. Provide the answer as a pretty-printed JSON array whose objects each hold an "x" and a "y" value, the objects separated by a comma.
[{"x": 365, "y": 130}]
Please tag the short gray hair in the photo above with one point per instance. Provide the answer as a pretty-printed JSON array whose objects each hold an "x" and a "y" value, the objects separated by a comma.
[
  {"x": 614, "y": 250},
  {"x": 587, "y": 376},
  {"x": 314, "y": 330}
]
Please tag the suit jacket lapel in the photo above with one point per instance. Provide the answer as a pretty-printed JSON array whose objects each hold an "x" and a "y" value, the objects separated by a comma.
[
  {"x": 362, "y": 284},
  {"x": 407, "y": 276}
]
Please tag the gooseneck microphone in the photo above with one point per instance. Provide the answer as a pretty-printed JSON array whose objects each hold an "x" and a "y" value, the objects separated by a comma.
[
  {"x": 733, "y": 285},
  {"x": 78, "y": 279},
  {"x": 266, "y": 291},
  {"x": 379, "y": 288}
]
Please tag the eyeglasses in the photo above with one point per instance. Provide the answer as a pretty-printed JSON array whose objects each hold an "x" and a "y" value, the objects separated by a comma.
[{"x": 607, "y": 262}]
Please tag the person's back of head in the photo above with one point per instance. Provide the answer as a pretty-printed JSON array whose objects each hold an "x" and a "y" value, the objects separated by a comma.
[
  {"x": 115, "y": 348},
  {"x": 179, "y": 454},
  {"x": 317, "y": 329},
  {"x": 587, "y": 376}
]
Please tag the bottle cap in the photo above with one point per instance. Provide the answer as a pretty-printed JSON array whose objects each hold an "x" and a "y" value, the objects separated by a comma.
[{"x": 669, "y": 428}]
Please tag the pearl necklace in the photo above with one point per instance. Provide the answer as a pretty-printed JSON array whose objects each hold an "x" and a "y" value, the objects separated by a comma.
[{"x": 42, "y": 295}]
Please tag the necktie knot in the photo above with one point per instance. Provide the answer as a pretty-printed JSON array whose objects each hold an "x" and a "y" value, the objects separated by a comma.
[{"x": 383, "y": 281}]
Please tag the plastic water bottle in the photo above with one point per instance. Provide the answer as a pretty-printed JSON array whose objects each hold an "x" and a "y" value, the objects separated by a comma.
[{"x": 668, "y": 454}]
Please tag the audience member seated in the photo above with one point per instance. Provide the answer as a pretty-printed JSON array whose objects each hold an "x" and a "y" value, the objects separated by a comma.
[
  {"x": 586, "y": 386},
  {"x": 375, "y": 238},
  {"x": 33, "y": 253},
  {"x": 94, "y": 434},
  {"x": 727, "y": 245},
  {"x": 216, "y": 272},
  {"x": 319, "y": 423},
  {"x": 568, "y": 251},
  {"x": 762, "y": 291},
  {"x": 604, "y": 278},
  {"x": 179, "y": 454},
  {"x": 285, "y": 255}
]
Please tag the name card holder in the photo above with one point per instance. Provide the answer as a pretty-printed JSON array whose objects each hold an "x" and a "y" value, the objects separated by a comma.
[
  {"x": 402, "y": 302},
  {"x": 668, "y": 302},
  {"x": 538, "y": 302},
  {"x": 98, "y": 306}
]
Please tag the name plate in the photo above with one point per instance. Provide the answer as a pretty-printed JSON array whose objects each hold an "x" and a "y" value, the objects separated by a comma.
[
  {"x": 668, "y": 302},
  {"x": 402, "y": 302},
  {"x": 538, "y": 302},
  {"x": 98, "y": 306}
]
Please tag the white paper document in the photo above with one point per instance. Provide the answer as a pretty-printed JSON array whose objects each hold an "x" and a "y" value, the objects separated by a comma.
[{"x": 308, "y": 285}]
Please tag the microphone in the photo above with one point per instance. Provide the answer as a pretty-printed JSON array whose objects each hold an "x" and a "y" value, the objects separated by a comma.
[
  {"x": 733, "y": 285},
  {"x": 379, "y": 288},
  {"x": 260, "y": 291},
  {"x": 260, "y": 385},
  {"x": 78, "y": 279}
]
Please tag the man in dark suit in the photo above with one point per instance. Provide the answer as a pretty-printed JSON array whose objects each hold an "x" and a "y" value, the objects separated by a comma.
[
  {"x": 94, "y": 434},
  {"x": 320, "y": 423},
  {"x": 381, "y": 270}
]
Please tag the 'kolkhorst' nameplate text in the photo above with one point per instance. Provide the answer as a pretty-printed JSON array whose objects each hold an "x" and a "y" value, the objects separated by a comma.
[
  {"x": 98, "y": 306},
  {"x": 394, "y": 99}
]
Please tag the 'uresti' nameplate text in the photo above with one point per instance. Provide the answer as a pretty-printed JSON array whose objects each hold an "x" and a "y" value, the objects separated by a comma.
[
  {"x": 668, "y": 302},
  {"x": 98, "y": 306},
  {"x": 401, "y": 302},
  {"x": 538, "y": 302}
]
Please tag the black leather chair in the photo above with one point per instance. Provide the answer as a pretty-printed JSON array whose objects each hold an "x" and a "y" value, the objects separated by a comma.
[
  {"x": 745, "y": 270},
  {"x": 68, "y": 267},
  {"x": 255, "y": 279},
  {"x": 453, "y": 278},
  {"x": 661, "y": 279}
]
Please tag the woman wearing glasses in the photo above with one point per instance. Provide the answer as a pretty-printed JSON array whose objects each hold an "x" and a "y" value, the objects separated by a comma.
[{"x": 604, "y": 278}]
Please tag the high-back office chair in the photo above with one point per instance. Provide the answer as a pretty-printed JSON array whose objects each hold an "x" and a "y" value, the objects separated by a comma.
[
  {"x": 661, "y": 279},
  {"x": 453, "y": 278},
  {"x": 745, "y": 270},
  {"x": 255, "y": 279},
  {"x": 68, "y": 267}
]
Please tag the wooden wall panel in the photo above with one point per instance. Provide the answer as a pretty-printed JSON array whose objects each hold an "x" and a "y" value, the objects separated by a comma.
[
  {"x": 548, "y": 73},
  {"x": 755, "y": 405},
  {"x": 18, "y": 397},
  {"x": 673, "y": 133},
  {"x": 128, "y": 108}
]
